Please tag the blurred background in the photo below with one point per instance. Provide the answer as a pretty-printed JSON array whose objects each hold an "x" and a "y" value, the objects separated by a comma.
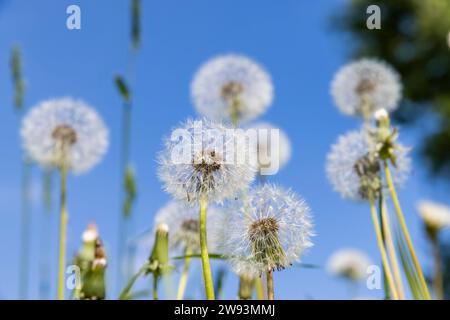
[{"x": 301, "y": 44}]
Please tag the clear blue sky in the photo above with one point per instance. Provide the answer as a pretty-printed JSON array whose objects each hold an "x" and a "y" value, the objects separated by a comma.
[{"x": 293, "y": 39}]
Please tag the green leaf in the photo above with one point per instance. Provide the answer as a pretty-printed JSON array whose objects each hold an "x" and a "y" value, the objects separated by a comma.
[
  {"x": 122, "y": 87},
  {"x": 410, "y": 272},
  {"x": 126, "y": 292}
]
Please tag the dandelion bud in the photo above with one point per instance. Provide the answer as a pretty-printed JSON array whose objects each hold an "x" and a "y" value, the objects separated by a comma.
[
  {"x": 90, "y": 234},
  {"x": 159, "y": 258}
]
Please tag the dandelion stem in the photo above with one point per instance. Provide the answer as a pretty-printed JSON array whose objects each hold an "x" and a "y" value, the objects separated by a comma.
[
  {"x": 62, "y": 233},
  {"x": 185, "y": 274},
  {"x": 384, "y": 257},
  {"x": 438, "y": 281},
  {"x": 25, "y": 231},
  {"x": 270, "y": 290},
  {"x": 259, "y": 288},
  {"x": 155, "y": 287},
  {"x": 404, "y": 228},
  {"x": 207, "y": 276},
  {"x": 391, "y": 248}
]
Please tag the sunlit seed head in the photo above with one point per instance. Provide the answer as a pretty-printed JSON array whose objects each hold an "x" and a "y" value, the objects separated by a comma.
[
  {"x": 269, "y": 229},
  {"x": 351, "y": 264},
  {"x": 64, "y": 132},
  {"x": 206, "y": 160},
  {"x": 354, "y": 170},
  {"x": 362, "y": 87},
  {"x": 231, "y": 86}
]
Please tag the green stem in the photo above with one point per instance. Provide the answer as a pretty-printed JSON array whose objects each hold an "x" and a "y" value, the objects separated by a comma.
[
  {"x": 404, "y": 228},
  {"x": 391, "y": 248},
  {"x": 25, "y": 231},
  {"x": 62, "y": 233},
  {"x": 155, "y": 287},
  {"x": 438, "y": 281},
  {"x": 184, "y": 275},
  {"x": 384, "y": 258},
  {"x": 123, "y": 220},
  {"x": 207, "y": 276},
  {"x": 270, "y": 289},
  {"x": 259, "y": 288}
]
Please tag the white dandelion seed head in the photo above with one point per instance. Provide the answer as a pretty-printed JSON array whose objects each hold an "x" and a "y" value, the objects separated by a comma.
[
  {"x": 182, "y": 222},
  {"x": 65, "y": 121},
  {"x": 268, "y": 229},
  {"x": 268, "y": 149},
  {"x": 435, "y": 215},
  {"x": 352, "y": 149},
  {"x": 366, "y": 80},
  {"x": 349, "y": 263},
  {"x": 228, "y": 78},
  {"x": 205, "y": 158}
]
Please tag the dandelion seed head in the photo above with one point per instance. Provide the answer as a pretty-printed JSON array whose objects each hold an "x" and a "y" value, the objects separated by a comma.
[
  {"x": 435, "y": 216},
  {"x": 349, "y": 263},
  {"x": 64, "y": 128},
  {"x": 266, "y": 230},
  {"x": 231, "y": 85},
  {"x": 204, "y": 158},
  {"x": 353, "y": 171},
  {"x": 183, "y": 222},
  {"x": 362, "y": 87},
  {"x": 266, "y": 149}
]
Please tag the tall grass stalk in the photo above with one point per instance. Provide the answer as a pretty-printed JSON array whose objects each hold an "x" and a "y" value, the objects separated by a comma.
[
  {"x": 387, "y": 235},
  {"x": 381, "y": 247},
  {"x": 25, "y": 230},
  {"x": 404, "y": 229},
  {"x": 184, "y": 276}
]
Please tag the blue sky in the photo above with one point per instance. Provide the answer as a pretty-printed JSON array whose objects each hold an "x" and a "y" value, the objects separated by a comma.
[{"x": 293, "y": 39}]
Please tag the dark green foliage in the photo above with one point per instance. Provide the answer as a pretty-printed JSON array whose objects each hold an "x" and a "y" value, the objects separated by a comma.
[{"x": 413, "y": 39}]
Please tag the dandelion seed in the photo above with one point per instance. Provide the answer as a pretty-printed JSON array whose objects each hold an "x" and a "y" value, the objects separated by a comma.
[
  {"x": 232, "y": 87},
  {"x": 270, "y": 230},
  {"x": 64, "y": 130},
  {"x": 272, "y": 152},
  {"x": 203, "y": 158},
  {"x": 354, "y": 171},
  {"x": 362, "y": 87},
  {"x": 349, "y": 263}
]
